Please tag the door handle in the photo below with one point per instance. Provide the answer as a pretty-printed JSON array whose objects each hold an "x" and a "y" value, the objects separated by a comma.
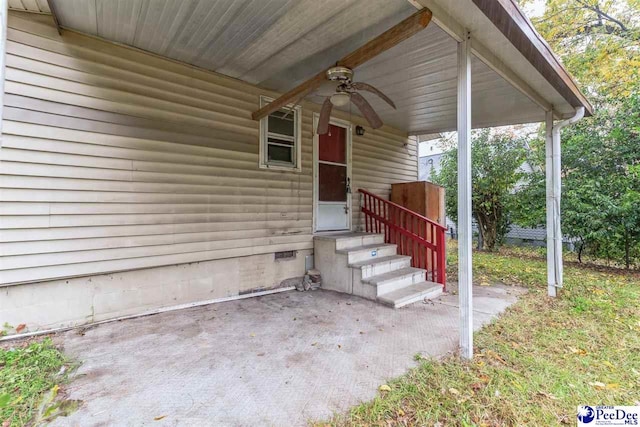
[{"x": 348, "y": 185}]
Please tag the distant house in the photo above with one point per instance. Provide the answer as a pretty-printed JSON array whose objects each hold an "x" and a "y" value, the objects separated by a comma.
[{"x": 430, "y": 162}]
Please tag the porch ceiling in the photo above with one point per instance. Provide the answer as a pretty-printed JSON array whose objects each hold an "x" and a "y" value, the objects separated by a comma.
[{"x": 277, "y": 44}]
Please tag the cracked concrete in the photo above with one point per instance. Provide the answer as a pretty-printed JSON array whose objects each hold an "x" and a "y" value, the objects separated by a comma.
[{"x": 277, "y": 360}]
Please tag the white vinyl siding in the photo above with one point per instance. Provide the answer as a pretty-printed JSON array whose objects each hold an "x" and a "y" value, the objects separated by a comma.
[{"x": 113, "y": 159}]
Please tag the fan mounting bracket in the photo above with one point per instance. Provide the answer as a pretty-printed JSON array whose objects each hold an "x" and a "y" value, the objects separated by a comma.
[{"x": 340, "y": 74}]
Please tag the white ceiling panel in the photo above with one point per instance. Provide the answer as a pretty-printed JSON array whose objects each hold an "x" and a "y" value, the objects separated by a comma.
[
  {"x": 278, "y": 44},
  {"x": 36, "y": 6}
]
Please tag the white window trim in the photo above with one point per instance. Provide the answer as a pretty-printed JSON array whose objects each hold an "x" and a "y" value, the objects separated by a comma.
[{"x": 297, "y": 139}]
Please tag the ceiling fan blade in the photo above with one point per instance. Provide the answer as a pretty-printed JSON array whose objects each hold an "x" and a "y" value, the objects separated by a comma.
[
  {"x": 325, "y": 116},
  {"x": 373, "y": 89},
  {"x": 367, "y": 110}
]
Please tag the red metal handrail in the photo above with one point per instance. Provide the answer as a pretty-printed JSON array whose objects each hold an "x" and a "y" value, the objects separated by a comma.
[{"x": 414, "y": 234}]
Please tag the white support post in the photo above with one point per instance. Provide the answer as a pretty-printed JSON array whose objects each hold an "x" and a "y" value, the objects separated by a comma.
[
  {"x": 550, "y": 205},
  {"x": 553, "y": 198},
  {"x": 557, "y": 193},
  {"x": 465, "y": 278}
]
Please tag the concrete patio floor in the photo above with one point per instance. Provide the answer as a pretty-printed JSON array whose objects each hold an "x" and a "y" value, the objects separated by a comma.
[{"x": 279, "y": 360}]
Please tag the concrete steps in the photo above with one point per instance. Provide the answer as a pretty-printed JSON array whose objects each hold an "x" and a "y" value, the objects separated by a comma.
[
  {"x": 410, "y": 294},
  {"x": 362, "y": 264},
  {"x": 368, "y": 252},
  {"x": 373, "y": 267}
]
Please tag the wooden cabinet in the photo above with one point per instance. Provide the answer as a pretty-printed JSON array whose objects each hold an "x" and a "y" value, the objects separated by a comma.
[{"x": 425, "y": 198}]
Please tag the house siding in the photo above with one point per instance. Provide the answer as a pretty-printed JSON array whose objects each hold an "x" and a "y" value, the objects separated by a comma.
[{"x": 113, "y": 159}]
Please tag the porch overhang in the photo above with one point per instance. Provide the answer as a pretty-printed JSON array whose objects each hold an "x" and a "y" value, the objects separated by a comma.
[{"x": 278, "y": 44}]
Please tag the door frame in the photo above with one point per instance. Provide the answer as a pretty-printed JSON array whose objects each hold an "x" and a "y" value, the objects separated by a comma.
[{"x": 316, "y": 139}]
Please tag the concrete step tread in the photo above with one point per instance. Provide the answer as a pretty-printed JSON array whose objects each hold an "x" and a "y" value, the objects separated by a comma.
[
  {"x": 380, "y": 260},
  {"x": 392, "y": 275},
  {"x": 365, "y": 248},
  {"x": 411, "y": 294},
  {"x": 345, "y": 236}
]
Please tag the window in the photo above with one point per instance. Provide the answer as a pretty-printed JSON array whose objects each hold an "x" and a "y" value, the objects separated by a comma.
[{"x": 280, "y": 138}]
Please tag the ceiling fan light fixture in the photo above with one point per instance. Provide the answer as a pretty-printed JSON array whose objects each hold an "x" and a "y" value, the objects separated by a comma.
[{"x": 340, "y": 99}]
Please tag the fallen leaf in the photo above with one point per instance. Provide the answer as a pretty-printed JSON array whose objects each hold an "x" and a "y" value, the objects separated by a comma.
[
  {"x": 384, "y": 387},
  {"x": 598, "y": 385},
  {"x": 159, "y": 418},
  {"x": 477, "y": 386},
  {"x": 496, "y": 356},
  {"x": 252, "y": 335},
  {"x": 547, "y": 395},
  {"x": 339, "y": 346},
  {"x": 6, "y": 423},
  {"x": 484, "y": 378},
  {"x": 613, "y": 385},
  {"x": 454, "y": 391},
  {"x": 578, "y": 351},
  {"x": 20, "y": 327}
]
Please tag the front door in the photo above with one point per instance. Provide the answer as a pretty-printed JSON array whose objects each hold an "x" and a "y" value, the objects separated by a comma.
[{"x": 332, "y": 179}]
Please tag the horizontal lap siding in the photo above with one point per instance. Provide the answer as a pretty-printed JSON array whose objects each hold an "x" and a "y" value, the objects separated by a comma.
[
  {"x": 379, "y": 161},
  {"x": 114, "y": 160}
]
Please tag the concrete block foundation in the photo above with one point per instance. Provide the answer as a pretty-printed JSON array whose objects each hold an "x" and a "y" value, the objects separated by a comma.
[{"x": 82, "y": 300}]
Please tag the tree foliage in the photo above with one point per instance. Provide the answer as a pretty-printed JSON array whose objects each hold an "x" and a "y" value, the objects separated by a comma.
[
  {"x": 496, "y": 170},
  {"x": 597, "y": 40},
  {"x": 600, "y": 183}
]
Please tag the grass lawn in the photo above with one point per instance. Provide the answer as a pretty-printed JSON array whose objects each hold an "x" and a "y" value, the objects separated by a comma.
[
  {"x": 536, "y": 363},
  {"x": 30, "y": 378}
]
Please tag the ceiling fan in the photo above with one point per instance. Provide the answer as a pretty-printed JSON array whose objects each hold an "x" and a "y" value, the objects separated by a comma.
[{"x": 346, "y": 91}]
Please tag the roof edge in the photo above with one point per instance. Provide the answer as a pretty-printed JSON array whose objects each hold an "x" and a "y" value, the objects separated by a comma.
[{"x": 518, "y": 29}]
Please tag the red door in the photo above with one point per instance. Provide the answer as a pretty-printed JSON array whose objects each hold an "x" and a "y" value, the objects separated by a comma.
[{"x": 333, "y": 180}]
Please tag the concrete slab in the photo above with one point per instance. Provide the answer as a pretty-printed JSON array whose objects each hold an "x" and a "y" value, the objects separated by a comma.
[{"x": 276, "y": 360}]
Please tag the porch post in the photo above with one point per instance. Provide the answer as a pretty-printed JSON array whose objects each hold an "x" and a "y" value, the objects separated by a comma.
[
  {"x": 550, "y": 206},
  {"x": 464, "y": 198}
]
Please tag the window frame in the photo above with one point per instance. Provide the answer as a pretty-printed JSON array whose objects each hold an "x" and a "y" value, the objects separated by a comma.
[{"x": 264, "y": 163}]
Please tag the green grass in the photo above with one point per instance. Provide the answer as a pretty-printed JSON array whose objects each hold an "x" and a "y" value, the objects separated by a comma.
[
  {"x": 533, "y": 365},
  {"x": 30, "y": 375}
]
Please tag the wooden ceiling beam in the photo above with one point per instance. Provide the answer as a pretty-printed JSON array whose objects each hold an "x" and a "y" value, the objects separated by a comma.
[{"x": 369, "y": 50}]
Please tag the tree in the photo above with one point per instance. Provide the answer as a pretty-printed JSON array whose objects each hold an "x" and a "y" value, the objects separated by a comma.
[
  {"x": 600, "y": 183},
  {"x": 496, "y": 160},
  {"x": 597, "y": 40}
]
